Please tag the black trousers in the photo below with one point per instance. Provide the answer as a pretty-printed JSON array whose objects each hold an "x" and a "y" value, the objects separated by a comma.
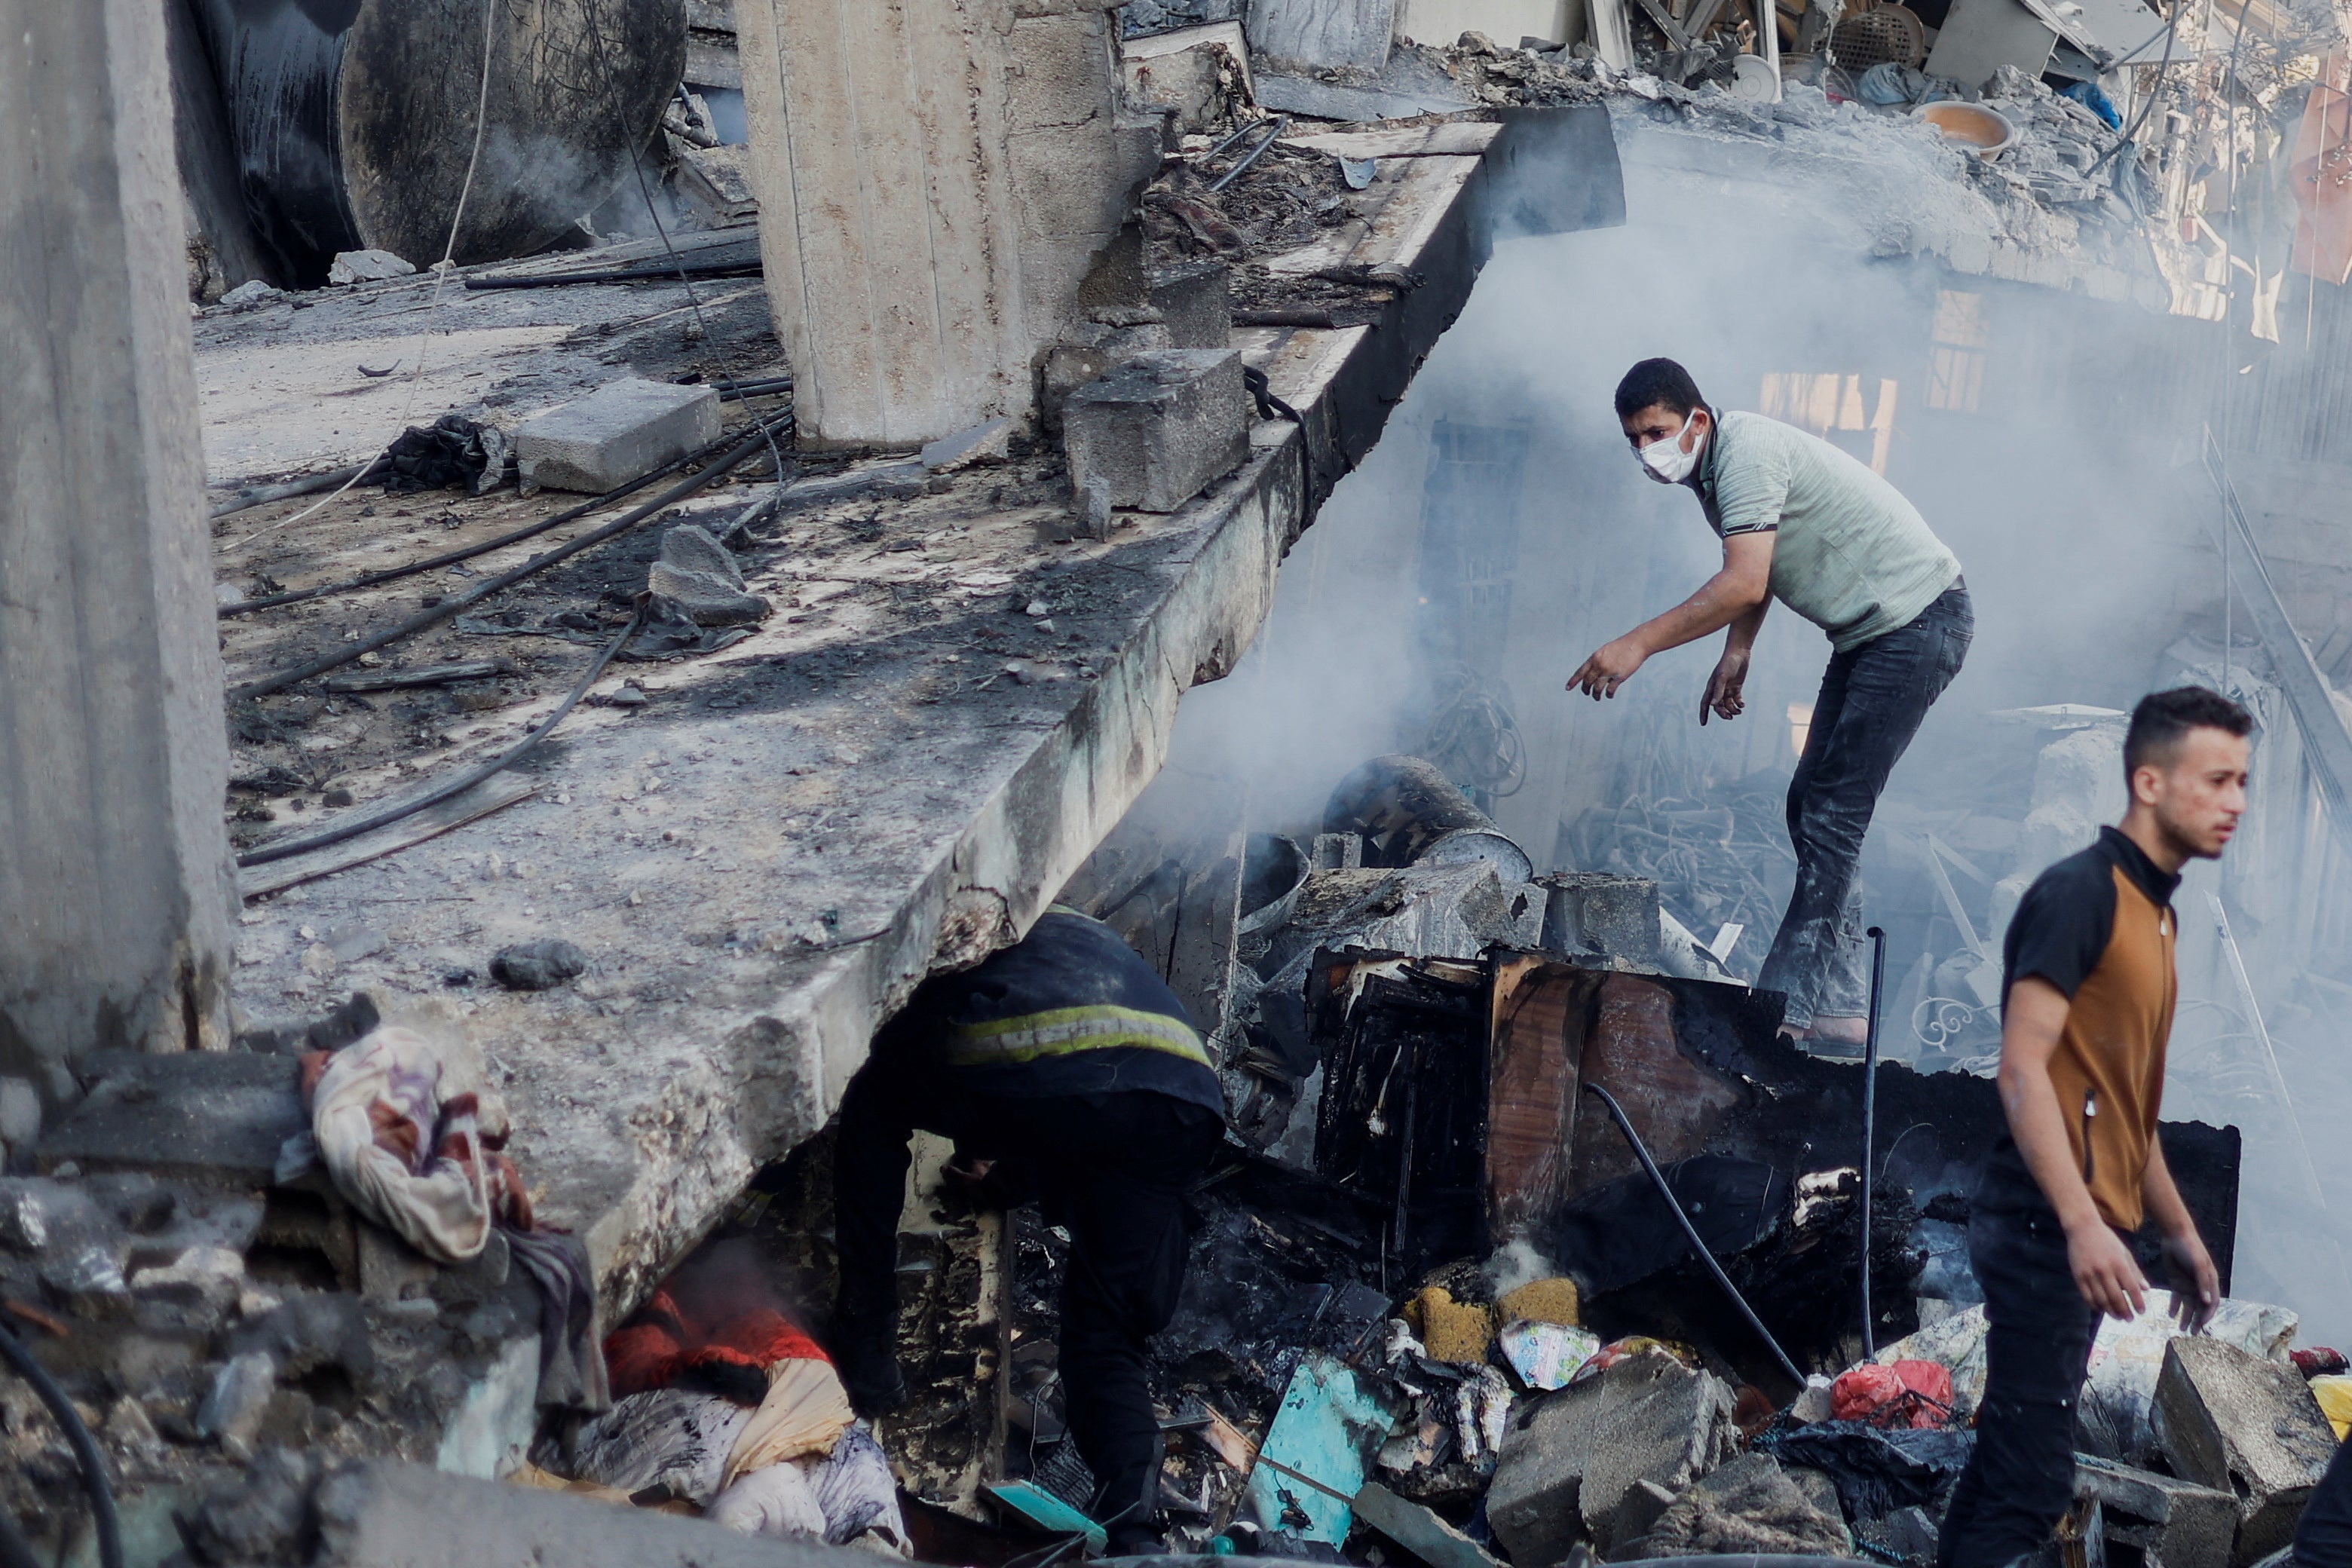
[
  {"x": 2021, "y": 1480},
  {"x": 1112, "y": 1170},
  {"x": 2324, "y": 1539},
  {"x": 1871, "y": 701}
]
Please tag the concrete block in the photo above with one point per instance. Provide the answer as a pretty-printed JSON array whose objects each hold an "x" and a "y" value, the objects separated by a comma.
[
  {"x": 2237, "y": 1423},
  {"x": 1069, "y": 183},
  {"x": 1195, "y": 299},
  {"x": 367, "y": 266},
  {"x": 1087, "y": 353},
  {"x": 2176, "y": 1522},
  {"x": 1160, "y": 429},
  {"x": 617, "y": 433},
  {"x": 1323, "y": 33},
  {"x": 206, "y": 1116},
  {"x": 1594, "y": 911},
  {"x": 1573, "y": 1462},
  {"x": 1062, "y": 72}
]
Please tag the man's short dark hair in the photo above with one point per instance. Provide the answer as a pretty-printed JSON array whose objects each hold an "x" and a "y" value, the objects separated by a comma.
[
  {"x": 1657, "y": 383},
  {"x": 2163, "y": 718}
]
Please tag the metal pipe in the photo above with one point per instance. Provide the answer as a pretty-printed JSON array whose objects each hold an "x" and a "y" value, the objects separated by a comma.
[
  {"x": 1690, "y": 1232},
  {"x": 1869, "y": 1126},
  {"x": 1281, "y": 124}
]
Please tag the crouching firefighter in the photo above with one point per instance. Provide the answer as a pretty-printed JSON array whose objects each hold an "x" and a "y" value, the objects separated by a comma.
[{"x": 1067, "y": 1064}]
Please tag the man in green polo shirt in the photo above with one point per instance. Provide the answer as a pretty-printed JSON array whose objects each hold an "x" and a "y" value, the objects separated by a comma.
[{"x": 1806, "y": 523}]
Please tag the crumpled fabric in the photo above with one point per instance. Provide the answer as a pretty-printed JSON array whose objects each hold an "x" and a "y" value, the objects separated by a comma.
[
  {"x": 672, "y": 1437},
  {"x": 425, "y": 1167},
  {"x": 666, "y": 1340},
  {"x": 1876, "y": 1470},
  {"x": 837, "y": 1500},
  {"x": 452, "y": 450},
  {"x": 805, "y": 1412},
  {"x": 424, "y": 1157}
]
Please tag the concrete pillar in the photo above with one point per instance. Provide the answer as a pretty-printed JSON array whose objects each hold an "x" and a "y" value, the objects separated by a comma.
[
  {"x": 940, "y": 183},
  {"x": 116, "y": 891}
]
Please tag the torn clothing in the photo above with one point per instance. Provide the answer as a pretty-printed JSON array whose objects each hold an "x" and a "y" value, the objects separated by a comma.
[
  {"x": 1871, "y": 701},
  {"x": 2021, "y": 1480},
  {"x": 2099, "y": 926},
  {"x": 1111, "y": 1169},
  {"x": 421, "y": 1154},
  {"x": 1852, "y": 555},
  {"x": 1068, "y": 1010},
  {"x": 665, "y": 1339},
  {"x": 424, "y": 1166}
]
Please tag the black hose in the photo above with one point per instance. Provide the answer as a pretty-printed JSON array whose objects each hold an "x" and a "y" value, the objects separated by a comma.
[
  {"x": 1691, "y": 1231},
  {"x": 441, "y": 612},
  {"x": 452, "y": 557},
  {"x": 1870, "y": 1128},
  {"x": 392, "y": 813},
  {"x": 85, "y": 1447}
]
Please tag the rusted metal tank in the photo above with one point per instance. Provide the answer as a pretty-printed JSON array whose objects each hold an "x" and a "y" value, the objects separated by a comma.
[
  {"x": 1411, "y": 814},
  {"x": 355, "y": 119}
]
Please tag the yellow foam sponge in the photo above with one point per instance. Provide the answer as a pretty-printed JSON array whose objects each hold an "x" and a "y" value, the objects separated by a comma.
[
  {"x": 1450, "y": 1329},
  {"x": 1541, "y": 1302}
]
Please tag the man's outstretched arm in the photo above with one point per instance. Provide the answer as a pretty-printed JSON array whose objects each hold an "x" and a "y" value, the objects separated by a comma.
[{"x": 1741, "y": 589}]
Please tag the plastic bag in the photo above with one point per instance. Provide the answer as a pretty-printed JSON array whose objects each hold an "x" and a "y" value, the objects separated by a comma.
[
  {"x": 1956, "y": 1344},
  {"x": 1915, "y": 1394}
]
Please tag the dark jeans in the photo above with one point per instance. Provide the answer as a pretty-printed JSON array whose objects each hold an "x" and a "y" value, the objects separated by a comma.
[
  {"x": 1113, "y": 1171},
  {"x": 1871, "y": 700},
  {"x": 2324, "y": 1539},
  {"x": 2021, "y": 1480}
]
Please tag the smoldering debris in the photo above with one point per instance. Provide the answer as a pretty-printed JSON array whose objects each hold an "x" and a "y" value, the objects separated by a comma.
[{"x": 1431, "y": 1268}]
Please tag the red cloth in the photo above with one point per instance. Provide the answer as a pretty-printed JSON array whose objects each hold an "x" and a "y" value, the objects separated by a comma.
[
  {"x": 661, "y": 1341},
  {"x": 1910, "y": 1393}
]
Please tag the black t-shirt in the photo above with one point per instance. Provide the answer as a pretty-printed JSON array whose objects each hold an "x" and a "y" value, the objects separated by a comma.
[{"x": 2063, "y": 923}]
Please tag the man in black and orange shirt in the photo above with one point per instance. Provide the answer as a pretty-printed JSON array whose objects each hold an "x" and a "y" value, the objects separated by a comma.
[{"x": 2089, "y": 996}]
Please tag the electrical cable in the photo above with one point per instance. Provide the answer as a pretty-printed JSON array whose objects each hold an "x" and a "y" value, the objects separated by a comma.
[
  {"x": 452, "y": 557},
  {"x": 440, "y": 278},
  {"x": 1870, "y": 1128},
  {"x": 458, "y": 784},
  {"x": 85, "y": 1447},
  {"x": 1690, "y": 1233},
  {"x": 488, "y": 585},
  {"x": 2171, "y": 29}
]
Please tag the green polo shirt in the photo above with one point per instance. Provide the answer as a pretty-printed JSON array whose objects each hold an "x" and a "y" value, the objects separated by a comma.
[{"x": 1853, "y": 556}]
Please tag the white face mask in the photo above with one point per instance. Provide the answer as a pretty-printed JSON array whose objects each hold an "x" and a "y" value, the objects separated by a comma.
[{"x": 1665, "y": 461}]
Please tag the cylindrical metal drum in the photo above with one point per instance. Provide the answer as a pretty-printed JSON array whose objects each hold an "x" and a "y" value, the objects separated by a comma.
[
  {"x": 1411, "y": 814},
  {"x": 355, "y": 119}
]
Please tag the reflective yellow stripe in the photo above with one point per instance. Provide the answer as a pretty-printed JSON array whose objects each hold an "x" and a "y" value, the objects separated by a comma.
[{"x": 1069, "y": 1030}]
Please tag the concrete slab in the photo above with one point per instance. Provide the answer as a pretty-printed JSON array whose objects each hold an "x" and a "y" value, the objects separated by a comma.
[
  {"x": 1323, "y": 33},
  {"x": 2178, "y": 1523},
  {"x": 1572, "y": 1463},
  {"x": 761, "y": 851},
  {"x": 621, "y": 430},
  {"x": 212, "y": 1116}
]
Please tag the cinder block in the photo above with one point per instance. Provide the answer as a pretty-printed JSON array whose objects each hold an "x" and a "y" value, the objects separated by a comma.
[
  {"x": 2236, "y": 1422},
  {"x": 2176, "y": 1522},
  {"x": 621, "y": 431},
  {"x": 1063, "y": 69},
  {"x": 1573, "y": 1464},
  {"x": 1160, "y": 427},
  {"x": 1594, "y": 912},
  {"x": 1196, "y": 300}
]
